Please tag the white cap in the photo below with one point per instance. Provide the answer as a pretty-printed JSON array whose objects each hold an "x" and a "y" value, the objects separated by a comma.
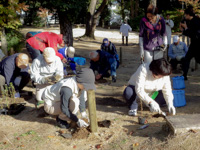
[
  {"x": 49, "y": 54},
  {"x": 70, "y": 52},
  {"x": 175, "y": 38}
]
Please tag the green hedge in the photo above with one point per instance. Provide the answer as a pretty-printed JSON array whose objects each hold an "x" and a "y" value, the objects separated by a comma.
[{"x": 15, "y": 40}]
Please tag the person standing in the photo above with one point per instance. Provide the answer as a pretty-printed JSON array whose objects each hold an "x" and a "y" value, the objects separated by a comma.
[
  {"x": 177, "y": 52},
  {"x": 169, "y": 25},
  {"x": 192, "y": 30},
  {"x": 124, "y": 29},
  {"x": 152, "y": 35}
]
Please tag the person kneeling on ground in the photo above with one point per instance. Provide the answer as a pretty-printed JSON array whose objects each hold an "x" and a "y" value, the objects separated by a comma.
[
  {"x": 11, "y": 72},
  {"x": 177, "y": 52},
  {"x": 146, "y": 80},
  {"x": 68, "y": 96},
  {"x": 68, "y": 53},
  {"x": 101, "y": 62},
  {"x": 45, "y": 70}
]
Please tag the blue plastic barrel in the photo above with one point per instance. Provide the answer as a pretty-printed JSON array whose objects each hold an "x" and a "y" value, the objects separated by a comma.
[
  {"x": 179, "y": 98},
  {"x": 178, "y": 82},
  {"x": 80, "y": 60}
]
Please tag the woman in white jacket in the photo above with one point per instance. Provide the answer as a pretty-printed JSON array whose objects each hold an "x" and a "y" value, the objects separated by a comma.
[{"x": 147, "y": 79}]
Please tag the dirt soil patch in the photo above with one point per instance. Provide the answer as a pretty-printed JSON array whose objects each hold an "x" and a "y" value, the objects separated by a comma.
[{"x": 34, "y": 129}]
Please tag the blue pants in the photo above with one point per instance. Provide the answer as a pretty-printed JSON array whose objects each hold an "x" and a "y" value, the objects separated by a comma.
[
  {"x": 113, "y": 66},
  {"x": 130, "y": 96},
  {"x": 34, "y": 53}
]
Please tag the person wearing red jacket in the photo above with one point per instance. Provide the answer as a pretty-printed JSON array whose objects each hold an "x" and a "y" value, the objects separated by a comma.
[{"x": 36, "y": 44}]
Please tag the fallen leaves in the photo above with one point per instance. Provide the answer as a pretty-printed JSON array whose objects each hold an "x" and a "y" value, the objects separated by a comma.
[{"x": 98, "y": 146}]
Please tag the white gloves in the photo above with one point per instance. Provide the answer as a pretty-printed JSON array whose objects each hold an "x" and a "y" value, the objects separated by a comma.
[
  {"x": 17, "y": 95},
  {"x": 171, "y": 109},
  {"x": 154, "y": 107},
  {"x": 84, "y": 115},
  {"x": 81, "y": 123},
  {"x": 179, "y": 58}
]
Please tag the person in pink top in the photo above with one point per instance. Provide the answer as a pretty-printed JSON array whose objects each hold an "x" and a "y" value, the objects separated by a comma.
[{"x": 36, "y": 44}]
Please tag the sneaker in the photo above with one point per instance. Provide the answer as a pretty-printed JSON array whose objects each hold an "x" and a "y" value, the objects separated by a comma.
[
  {"x": 62, "y": 124},
  {"x": 114, "y": 79},
  {"x": 132, "y": 112}
]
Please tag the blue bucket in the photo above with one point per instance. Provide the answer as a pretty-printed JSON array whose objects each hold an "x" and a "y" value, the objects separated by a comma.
[
  {"x": 34, "y": 33},
  {"x": 178, "y": 82},
  {"x": 179, "y": 98},
  {"x": 80, "y": 60}
]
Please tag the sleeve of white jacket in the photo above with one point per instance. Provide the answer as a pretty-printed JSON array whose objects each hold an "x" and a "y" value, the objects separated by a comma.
[
  {"x": 140, "y": 83},
  {"x": 59, "y": 68},
  {"x": 141, "y": 46},
  {"x": 130, "y": 29},
  {"x": 35, "y": 71},
  {"x": 167, "y": 91}
]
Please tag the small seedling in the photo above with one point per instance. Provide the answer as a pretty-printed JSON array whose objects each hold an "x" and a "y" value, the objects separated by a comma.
[
  {"x": 12, "y": 91},
  {"x": 5, "y": 91}
]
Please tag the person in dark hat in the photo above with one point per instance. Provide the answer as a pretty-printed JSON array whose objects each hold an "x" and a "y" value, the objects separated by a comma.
[
  {"x": 109, "y": 47},
  {"x": 65, "y": 98}
]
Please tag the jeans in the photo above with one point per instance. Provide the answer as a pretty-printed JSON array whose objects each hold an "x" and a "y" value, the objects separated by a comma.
[
  {"x": 130, "y": 96},
  {"x": 113, "y": 66}
]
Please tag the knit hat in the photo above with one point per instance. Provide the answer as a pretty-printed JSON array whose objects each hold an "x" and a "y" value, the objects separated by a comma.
[
  {"x": 105, "y": 42},
  {"x": 70, "y": 52},
  {"x": 175, "y": 38},
  {"x": 49, "y": 54},
  {"x": 86, "y": 77}
]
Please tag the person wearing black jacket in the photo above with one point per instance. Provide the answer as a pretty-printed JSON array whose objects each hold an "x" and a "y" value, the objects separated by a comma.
[
  {"x": 102, "y": 62},
  {"x": 192, "y": 30}
]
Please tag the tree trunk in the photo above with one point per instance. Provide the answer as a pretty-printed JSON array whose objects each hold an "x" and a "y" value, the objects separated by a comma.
[
  {"x": 154, "y": 2},
  {"x": 92, "y": 17},
  {"x": 66, "y": 28},
  {"x": 132, "y": 9},
  {"x": 4, "y": 44},
  {"x": 136, "y": 7},
  {"x": 122, "y": 9}
]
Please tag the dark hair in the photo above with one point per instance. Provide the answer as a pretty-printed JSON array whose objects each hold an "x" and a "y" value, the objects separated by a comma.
[
  {"x": 152, "y": 9},
  {"x": 160, "y": 67},
  {"x": 190, "y": 11}
]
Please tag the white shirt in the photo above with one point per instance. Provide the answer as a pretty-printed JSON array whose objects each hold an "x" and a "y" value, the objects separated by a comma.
[
  {"x": 52, "y": 93},
  {"x": 169, "y": 26},
  {"x": 40, "y": 69},
  {"x": 125, "y": 28},
  {"x": 145, "y": 84}
]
